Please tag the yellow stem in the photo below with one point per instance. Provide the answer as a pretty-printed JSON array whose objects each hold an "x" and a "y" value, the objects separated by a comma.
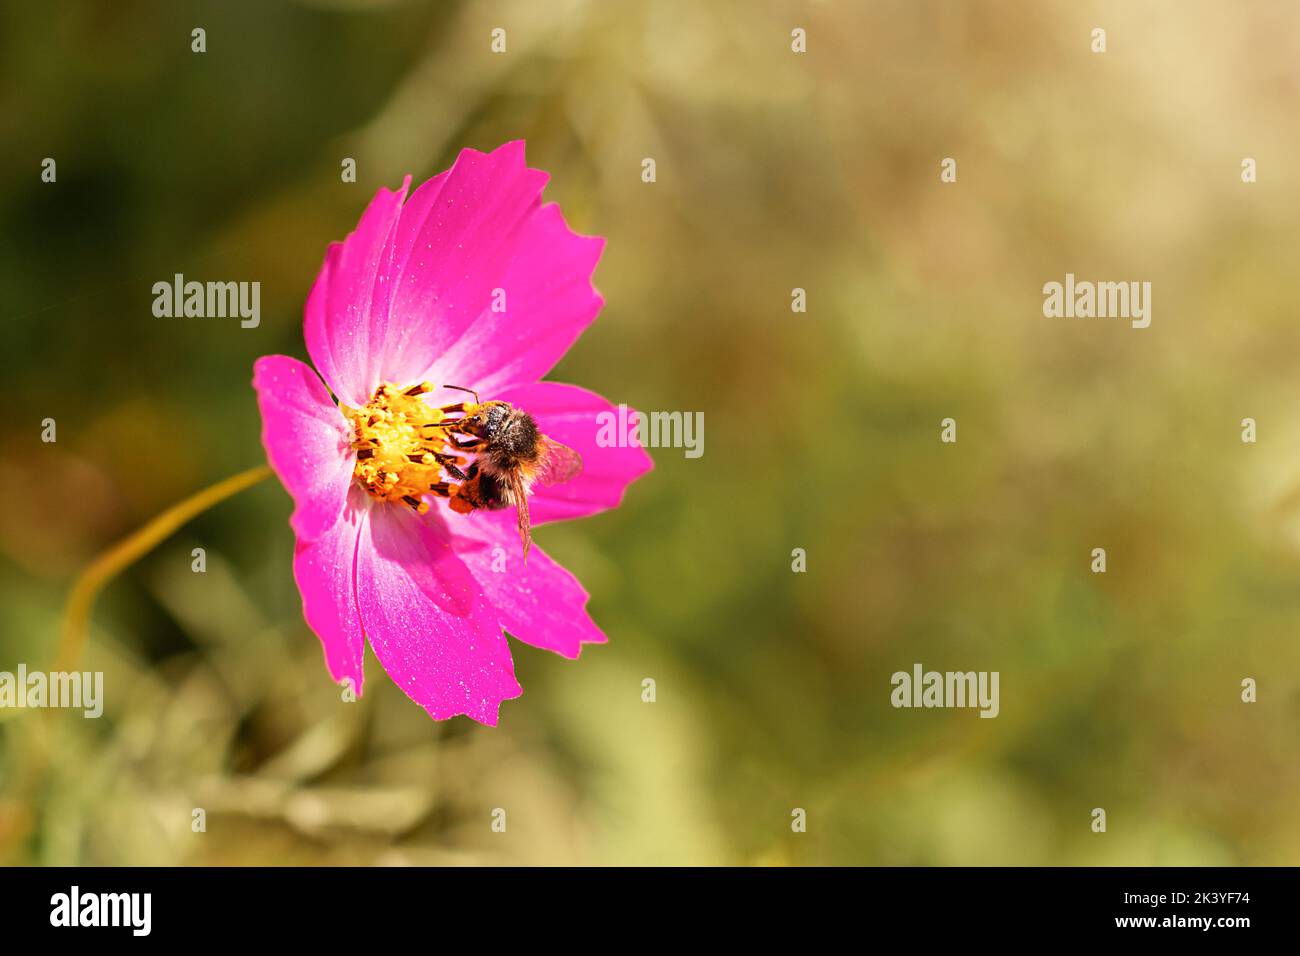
[{"x": 92, "y": 580}]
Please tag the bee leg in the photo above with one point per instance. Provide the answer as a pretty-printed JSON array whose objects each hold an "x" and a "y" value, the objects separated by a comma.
[
  {"x": 474, "y": 444},
  {"x": 449, "y": 463},
  {"x": 459, "y": 503}
]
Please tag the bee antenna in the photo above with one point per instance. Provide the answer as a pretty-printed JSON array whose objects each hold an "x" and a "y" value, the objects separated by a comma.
[{"x": 461, "y": 388}]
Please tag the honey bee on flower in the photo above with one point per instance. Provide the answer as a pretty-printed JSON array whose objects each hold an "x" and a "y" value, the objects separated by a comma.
[{"x": 403, "y": 487}]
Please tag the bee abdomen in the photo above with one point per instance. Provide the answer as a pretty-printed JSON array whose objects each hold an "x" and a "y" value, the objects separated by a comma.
[{"x": 492, "y": 491}]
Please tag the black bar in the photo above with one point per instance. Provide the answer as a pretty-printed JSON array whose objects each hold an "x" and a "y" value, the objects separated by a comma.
[{"x": 979, "y": 906}]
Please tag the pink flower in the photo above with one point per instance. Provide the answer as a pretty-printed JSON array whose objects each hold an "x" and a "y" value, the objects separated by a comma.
[{"x": 415, "y": 295}]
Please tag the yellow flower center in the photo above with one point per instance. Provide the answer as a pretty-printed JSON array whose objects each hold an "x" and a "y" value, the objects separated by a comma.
[{"x": 399, "y": 456}]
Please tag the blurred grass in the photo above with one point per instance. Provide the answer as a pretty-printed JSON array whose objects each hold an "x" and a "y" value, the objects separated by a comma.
[{"x": 774, "y": 171}]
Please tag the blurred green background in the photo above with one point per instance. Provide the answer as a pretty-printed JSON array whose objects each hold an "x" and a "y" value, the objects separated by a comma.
[{"x": 775, "y": 170}]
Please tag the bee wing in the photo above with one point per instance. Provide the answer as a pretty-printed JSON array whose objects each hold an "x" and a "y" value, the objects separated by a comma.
[
  {"x": 559, "y": 463},
  {"x": 519, "y": 493}
]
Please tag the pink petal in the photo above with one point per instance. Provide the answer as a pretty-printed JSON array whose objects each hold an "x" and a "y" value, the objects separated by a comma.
[
  {"x": 325, "y": 570},
  {"x": 307, "y": 440},
  {"x": 471, "y": 221},
  {"x": 340, "y": 319},
  {"x": 427, "y": 619},
  {"x": 539, "y": 602},
  {"x": 402, "y": 353},
  {"x": 574, "y": 416},
  {"x": 549, "y": 300},
  {"x": 411, "y": 279}
]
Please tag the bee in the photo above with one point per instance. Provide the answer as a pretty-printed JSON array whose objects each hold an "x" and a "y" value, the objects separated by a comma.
[{"x": 512, "y": 456}]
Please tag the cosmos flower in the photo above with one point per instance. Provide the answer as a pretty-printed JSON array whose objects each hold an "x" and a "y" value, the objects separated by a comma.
[{"x": 470, "y": 282}]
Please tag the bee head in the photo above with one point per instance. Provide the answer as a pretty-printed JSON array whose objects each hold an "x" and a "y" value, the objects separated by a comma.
[{"x": 486, "y": 420}]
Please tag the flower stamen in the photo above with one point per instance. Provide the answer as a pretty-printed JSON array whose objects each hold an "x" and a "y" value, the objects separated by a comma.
[{"x": 400, "y": 456}]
